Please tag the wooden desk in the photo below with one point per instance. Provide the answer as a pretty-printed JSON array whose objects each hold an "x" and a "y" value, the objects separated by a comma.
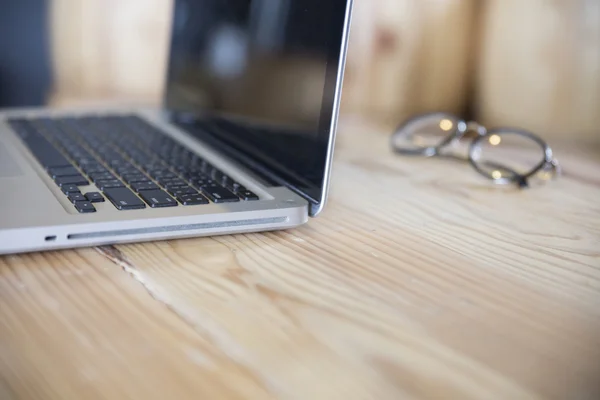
[{"x": 420, "y": 281}]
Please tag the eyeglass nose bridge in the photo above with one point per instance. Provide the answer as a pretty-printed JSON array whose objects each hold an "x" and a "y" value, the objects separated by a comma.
[{"x": 476, "y": 127}]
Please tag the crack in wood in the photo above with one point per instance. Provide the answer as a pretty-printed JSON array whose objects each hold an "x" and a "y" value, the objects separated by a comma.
[
  {"x": 218, "y": 336},
  {"x": 118, "y": 258}
]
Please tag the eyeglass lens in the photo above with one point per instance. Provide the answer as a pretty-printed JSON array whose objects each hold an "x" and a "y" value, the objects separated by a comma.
[
  {"x": 424, "y": 134},
  {"x": 508, "y": 155}
]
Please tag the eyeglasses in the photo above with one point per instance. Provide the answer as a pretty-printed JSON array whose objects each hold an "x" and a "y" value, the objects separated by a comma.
[{"x": 504, "y": 155}]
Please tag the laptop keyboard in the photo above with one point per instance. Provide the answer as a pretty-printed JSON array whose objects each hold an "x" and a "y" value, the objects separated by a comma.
[{"x": 131, "y": 163}]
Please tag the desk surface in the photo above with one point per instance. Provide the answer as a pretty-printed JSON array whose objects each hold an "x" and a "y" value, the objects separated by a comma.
[{"x": 419, "y": 281}]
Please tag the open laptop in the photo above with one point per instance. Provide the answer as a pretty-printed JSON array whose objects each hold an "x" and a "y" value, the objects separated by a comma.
[{"x": 244, "y": 142}]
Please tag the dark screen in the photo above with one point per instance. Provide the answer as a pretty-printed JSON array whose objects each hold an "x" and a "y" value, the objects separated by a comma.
[{"x": 258, "y": 78}]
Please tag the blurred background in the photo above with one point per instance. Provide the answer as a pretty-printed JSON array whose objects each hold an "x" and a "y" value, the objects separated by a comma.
[{"x": 533, "y": 64}]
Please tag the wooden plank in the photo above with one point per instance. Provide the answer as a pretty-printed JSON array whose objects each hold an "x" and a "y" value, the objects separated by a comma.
[
  {"x": 420, "y": 281},
  {"x": 542, "y": 76},
  {"x": 408, "y": 57},
  {"x": 75, "y": 326},
  {"x": 109, "y": 49}
]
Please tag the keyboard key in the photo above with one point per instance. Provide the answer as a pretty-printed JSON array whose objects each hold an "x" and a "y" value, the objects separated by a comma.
[
  {"x": 110, "y": 183},
  {"x": 78, "y": 180},
  {"x": 21, "y": 127},
  {"x": 142, "y": 186},
  {"x": 181, "y": 190},
  {"x": 132, "y": 178},
  {"x": 192, "y": 199},
  {"x": 68, "y": 189},
  {"x": 219, "y": 176},
  {"x": 93, "y": 168},
  {"x": 94, "y": 197},
  {"x": 157, "y": 198},
  {"x": 63, "y": 171},
  {"x": 82, "y": 162},
  {"x": 154, "y": 168},
  {"x": 183, "y": 169},
  {"x": 124, "y": 199},
  {"x": 169, "y": 183},
  {"x": 161, "y": 173},
  {"x": 46, "y": 153},
  {"x": 234, "y": 187},
  {"x": 82, "y": 156},
  {"x": 247, "y": 195},
  {"x": 102, "y": 176},
  {"x": 85, "y": 207},
  {"x": 193, "y": 176},
  {"x": 204, "y": 182},
  {"x": 127, "y": 170},
  {"x": 74, "y": 197},
  {"x": 115, "y": 159},
  {"x": 205, "y": 167},
  {"x": 219, "y": 194}
]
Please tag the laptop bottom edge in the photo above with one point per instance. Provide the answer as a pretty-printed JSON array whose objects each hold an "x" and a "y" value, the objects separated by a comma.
[{"x": 24, "y": 240}]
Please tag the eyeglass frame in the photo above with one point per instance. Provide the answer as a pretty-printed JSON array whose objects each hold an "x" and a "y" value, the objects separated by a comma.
[{"x": 462, "y": 128}]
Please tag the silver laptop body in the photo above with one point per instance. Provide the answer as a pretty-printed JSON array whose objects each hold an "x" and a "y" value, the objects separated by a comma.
[{"x": 228, "y": 116}]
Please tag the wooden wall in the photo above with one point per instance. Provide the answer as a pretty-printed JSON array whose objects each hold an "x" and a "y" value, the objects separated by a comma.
[
  {"x": 409, "y": 56},
  {"x": 109, "y": 50},
  {"x": 528, "y": 63},
  {"x": 539, "y": 66}
]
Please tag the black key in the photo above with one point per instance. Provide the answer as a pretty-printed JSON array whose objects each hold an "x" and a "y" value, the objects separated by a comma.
[
  {"x": 46, "y": 153},
  {"x": 169, "y": 183},
  {"x": 192, "y": 199},
  {"x": 73, "y": 197},
  {"x": 82, "y": 162},
  {"x": 64, "y": 171},
  {"x": 70, "y": 146},
  {"x": 142, "y": 186},
  {"x": 178, "y": 186},
  {"x": 85, "y": 207},
  {"x": 219, "y": 176},
  {"x": 204, "y": 182},
  {"x": 93, "y": 168},
  {"x": 112, "y": 183},
  {"x": 158, "y": 198},
  {"x": 102, "y": 176},
  {"x": 154, "y": 168},
  {"x": 247, "y": 195},
  {"x": 118, "y": 162},
  {"x": 68, "y": 189},
  {"x": 234, "y": 187},
  {"x": 205, "y": 167},
  {"x": 21, "y": 127},
  {"x": 71, "y": 180},
  {"x": 82, "y": 156},
  {"x": 193, "y": 176},
  {"x": 132, "y": 178},
  {"x": 219, "y": 194},
  {"x": 94, "y": 197},
  {"x": 162, "y": 174},
  {"x": 124, "y": 199},
  {"x": 183, "y": 169},
  {"x": 181, "y": 190},
  {"x": 127, "y": 170}
]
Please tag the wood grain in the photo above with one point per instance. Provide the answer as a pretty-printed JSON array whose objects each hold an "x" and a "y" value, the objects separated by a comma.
[
  {"x": 109, "y": 49},
  {"x": 542, "y": 76},
  {"x": 409, "y": 57},
  {"x": 420, "y": 281}
]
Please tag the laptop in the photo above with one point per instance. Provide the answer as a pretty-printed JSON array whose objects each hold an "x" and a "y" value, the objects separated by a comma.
[{"x": 243, "y": 142}]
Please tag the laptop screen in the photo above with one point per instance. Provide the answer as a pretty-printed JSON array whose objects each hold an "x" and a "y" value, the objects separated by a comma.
[{"x": 258, "y": 78}]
